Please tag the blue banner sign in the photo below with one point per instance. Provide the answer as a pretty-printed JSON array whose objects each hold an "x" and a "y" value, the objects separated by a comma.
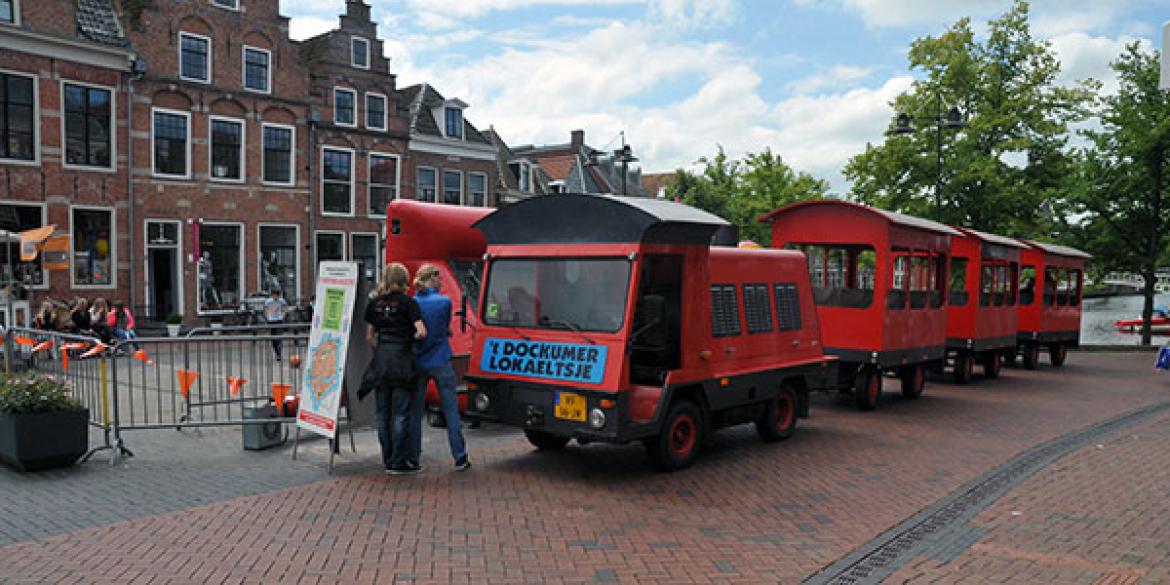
[{"x": 572, "y": 362}]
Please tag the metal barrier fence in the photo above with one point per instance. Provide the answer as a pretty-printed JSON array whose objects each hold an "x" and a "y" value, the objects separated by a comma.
[{"x": 208, "y": 378}]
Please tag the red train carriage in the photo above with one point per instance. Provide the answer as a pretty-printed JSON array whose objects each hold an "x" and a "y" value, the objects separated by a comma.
[
  {"x": 1052, "y": 316},
  {"x": 419, "y": 233},
  {"x": 612, "y": 319},
  {"x": 879, "y": 280},
  {"x": 982, "y": 317}
]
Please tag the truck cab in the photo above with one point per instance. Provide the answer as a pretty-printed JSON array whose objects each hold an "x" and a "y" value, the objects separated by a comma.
[{"x": 613, "y": 319}]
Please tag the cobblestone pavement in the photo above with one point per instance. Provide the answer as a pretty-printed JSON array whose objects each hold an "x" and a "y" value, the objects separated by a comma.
[{"x": 746, "y": 513}]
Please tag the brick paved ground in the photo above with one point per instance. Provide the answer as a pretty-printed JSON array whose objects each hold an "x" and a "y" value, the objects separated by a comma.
[{"x": 748, "y": 512}]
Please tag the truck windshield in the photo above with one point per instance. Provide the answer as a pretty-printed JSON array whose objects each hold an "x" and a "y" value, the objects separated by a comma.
[{"x": 558, "y": 293}]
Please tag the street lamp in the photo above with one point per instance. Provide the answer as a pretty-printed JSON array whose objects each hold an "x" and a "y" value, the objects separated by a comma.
[
  {"x": 626, "y": 157},
  {"x": 952, "y": 120}
]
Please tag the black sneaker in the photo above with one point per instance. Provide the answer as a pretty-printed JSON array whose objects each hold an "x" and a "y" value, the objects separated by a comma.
[
  {"x": 463, "y": 464},
  {"x": 400, "y": 470},
  {"x": 414, "y": 466}
]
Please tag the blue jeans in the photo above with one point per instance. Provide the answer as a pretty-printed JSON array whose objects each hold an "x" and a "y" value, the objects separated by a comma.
[
  {"x": 124, "y": 334},
  {"x": 444, "y": 377},
  {"x": 408, "y": 407},
  {"x": 382, "y": 422}
]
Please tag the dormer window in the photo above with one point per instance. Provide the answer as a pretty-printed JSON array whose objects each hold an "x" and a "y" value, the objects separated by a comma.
[
  {"x": 454, "y": 123},
  {"x": 359, "y": 53},
  {"x": 523, "y": 171}
]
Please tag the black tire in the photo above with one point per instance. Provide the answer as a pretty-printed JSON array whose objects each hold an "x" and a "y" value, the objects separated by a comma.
[
  {"x": 964, "y": 367},
  {"x": 778, "y": 421},
  {"x": 1057, "y": 353},
  {"x": 992, "y": 364},
  {"x": 913, "y": 381},
  {"x": 1010, "y": 356},
  {"x": 1031, "y": 353},
  {"x": 436, "y": 419},
  {"x": 867, "y": 389},
  {"x": 677, "y": 443},
  {"x": 546, "y": 442}
]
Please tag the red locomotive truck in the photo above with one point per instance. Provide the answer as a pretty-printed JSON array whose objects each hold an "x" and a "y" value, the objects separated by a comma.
[
  {"x": 879, "y": 280},
  {"x": 982, "y": 317},
  {"x": 1051, "y": 318},
  {"x": 613, "y": 319},
  {"x": 420, "y": 233}
]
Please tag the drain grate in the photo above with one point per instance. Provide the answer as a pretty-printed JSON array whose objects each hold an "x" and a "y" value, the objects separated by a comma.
[{"x": 932, "y": 526}]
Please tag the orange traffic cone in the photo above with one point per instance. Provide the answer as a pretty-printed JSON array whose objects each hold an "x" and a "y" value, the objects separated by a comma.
[{"x": 279, "y": 391}]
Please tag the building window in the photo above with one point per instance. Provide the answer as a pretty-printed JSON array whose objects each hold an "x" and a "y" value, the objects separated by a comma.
[
  {"x": 8, "y": 11},
  {"x": 360, "y": 53},
  {"x": 344, "y": 103},
  {"x": 93, "y": 247},
  {"x": 477, "y": 189},
  {"x": 257, "y": 72},
  {"x": 278, "y": 259},
  {"x": 363, "y": 249},
  {"x": 194, "y": 57},
  {"x": 227, "y": 149},
  {"x": 18, "y": 218},
  {"x": 17, "y": 117},
  {"x": 172, "y": 139},
  {"x": 220, "y": 268},
  {"x": 383, "y": 182},
  {"x": 427, "y": 184},
  {"x": 278, "y": 154},
  {"x": 88, "y": 116},
  {"x": 330, "y": 246},
  {"x": 375, "y": 111},
  {"x": 454, "y": 123},
  {"x": 452, "y": 187},
  {"x": 229, "y": 4},
  {"x": 337, "y": 176}
]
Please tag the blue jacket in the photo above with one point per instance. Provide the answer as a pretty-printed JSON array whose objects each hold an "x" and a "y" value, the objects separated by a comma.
[{"x": 434, "y": 350}]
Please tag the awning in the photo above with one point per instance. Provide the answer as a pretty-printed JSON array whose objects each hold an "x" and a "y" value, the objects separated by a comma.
[{"x": 30, "y": 241}]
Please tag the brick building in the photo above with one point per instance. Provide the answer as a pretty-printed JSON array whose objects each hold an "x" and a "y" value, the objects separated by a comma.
[
  {"x": 63, "y": 142},
  {"x": 576, "y": 167},
  {"x": 448, "y": 159}
]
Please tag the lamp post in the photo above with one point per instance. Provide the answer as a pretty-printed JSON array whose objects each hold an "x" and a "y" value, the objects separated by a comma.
[
  {"x": 625, "y": 156},
  {"x": 952, "y": 120}
]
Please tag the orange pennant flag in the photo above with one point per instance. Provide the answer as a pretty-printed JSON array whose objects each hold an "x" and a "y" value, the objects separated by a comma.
[
  {"x": 279, "y": 391},
  {"x": 42, "y": 346},
  {"x": 141, "y": 356},
  {"x": 74, "y": 345},
  {"x": 22, "y": 340},
  {"x": 186, "y": 380},
  {"x": 65, "y": 361},
  {"x": 97, "y": 349},
  {"x": 235, "y": 383}
]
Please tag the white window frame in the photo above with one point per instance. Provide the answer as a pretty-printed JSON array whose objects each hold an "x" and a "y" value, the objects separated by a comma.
[
  {"x": 370, "y": 181},
  {"x": 385, "y": 114},
  {"x": 210, "y": 54},
  {"x": 234, "y": 8},
  {"x": 113, "y": 126},
  {"x": 146, "y": 284},
  {"x": 292, "y": 161},
  {"x": 36, "y": 122},
  {"x": 113, "y": 248},
  {"x": 526, "y": 168},
  {"x": 243, "y": 149},
  {"x": 153, "y": 170},
  {"x": 260, "y": 254},
  {"x": 244, "y": 70},
  {"x": 418, "y": 184},
  {"x": 356, "y": 111},
  {"x": 352, "y": 180},
  {"x": 317, "y": 250},
  {"x": 243, "y": 267},
  {"x": 15, "y": 14},
  {"x": 443, "y": 191},
  {"x": 352, "y": 61},
  {"x": 486, "y": 189},
  {"x": 44, "y": 222},
  {"x": 378, "y": 252}
]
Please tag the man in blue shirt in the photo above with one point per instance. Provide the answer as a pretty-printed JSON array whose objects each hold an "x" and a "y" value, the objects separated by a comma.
[{"x": 433, "y": 353}]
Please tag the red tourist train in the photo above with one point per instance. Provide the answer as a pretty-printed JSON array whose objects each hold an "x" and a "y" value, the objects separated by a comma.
[{"x": 1053, "y": 319}]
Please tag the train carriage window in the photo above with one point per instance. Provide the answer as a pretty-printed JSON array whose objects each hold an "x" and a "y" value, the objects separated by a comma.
[
  {"x": 787, "y": 307},
  {"x": 1013, "y": 282},
  {"x": 896, "y": 296},
  {"x": 842, "y": 275},
  {"x": 986, "y": 284},
  {"x": 1027, "y": 284},
  {"x": 938, "y": 280},
  {"x": 757, "y": 308},
  {"x": 959, "y": 294},
  {"x": 1051, "y": 275},
  {"x": 999, "y": 294},
  {"x": 1075, "y": 283},
  {"x": 724, "y": 311},
  {"x": 1062, "y": 287},
  {"x": 919, "y": 279}
]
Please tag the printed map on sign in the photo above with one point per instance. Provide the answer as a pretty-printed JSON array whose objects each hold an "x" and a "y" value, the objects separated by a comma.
[
  {"x": 571, "y": 362},
  {"x": 324, "y": 370}
]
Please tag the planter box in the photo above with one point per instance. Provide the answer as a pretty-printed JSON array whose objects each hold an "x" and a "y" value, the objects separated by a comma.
[
  {"x": 44, "y": 440},
  {"x": 174, "y": 330}
]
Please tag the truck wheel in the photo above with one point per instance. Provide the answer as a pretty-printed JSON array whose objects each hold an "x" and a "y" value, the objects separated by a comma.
[
  {"x": 1009, "y": 356},
  {"x": 778, "y": 420},
  {"x": 1031, "y": 353},
  {"x": 992, "y": 364},
  {"x": 913, "y": 381},
  {"x": 1057, "y": 352},
  {"x": 867, "y": 390},
  {"x": 436, "y": 419},
  {"x": 677, "y": 443},
  {"x": 546, "y": 442},
  {"x": 964, "y": 367}
]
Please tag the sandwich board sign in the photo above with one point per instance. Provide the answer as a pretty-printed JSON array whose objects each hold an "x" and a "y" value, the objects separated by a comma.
[{"x": 329, "y": 338}]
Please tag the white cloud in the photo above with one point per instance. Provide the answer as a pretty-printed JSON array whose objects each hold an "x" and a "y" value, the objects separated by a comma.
[
  {"x": 1083, "y": 56},
  {"x": 833, "y": 78},
  {"x": 303, "y": 27},
  {"x": 692, "y": 12},
  {"x": 476, "y": 8}
]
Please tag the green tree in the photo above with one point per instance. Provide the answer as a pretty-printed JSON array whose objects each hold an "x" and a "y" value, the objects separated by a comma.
[
  {"x": 1121, "y": 186},
  {"x": 741, "y": 191},
  {"x": 1004, "y": 169}
]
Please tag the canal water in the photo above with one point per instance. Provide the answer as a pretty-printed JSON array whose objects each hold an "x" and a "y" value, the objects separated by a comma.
[{"x": 1099, "y": 314}]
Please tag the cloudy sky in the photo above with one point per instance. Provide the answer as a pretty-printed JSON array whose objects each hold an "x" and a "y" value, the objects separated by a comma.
[{"x": 812, "y": 79}]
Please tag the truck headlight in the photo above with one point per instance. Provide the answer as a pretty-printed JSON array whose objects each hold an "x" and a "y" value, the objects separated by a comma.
[
  {"x": 597, "y": 418},
  {"x": 482, "y": 402}
]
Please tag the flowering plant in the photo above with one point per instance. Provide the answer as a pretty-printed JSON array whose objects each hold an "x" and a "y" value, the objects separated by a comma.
[{"x": 23, "y": 394}]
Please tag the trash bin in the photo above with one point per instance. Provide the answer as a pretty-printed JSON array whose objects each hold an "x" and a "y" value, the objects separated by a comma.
[{"x": 262, "y": 436}]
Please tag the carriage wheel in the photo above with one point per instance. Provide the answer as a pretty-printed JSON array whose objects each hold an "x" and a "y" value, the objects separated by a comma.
[
  {"x": 913, "y": 381},
  {"x": 867, "y": 389},
  {"x": 992, "y": 364},
  {"x": 778, "y": 421},
  {"x": 1031, "y": 354},
  {"x": 964, "y": 367},
  {"x": 1057, "y": 352}
]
